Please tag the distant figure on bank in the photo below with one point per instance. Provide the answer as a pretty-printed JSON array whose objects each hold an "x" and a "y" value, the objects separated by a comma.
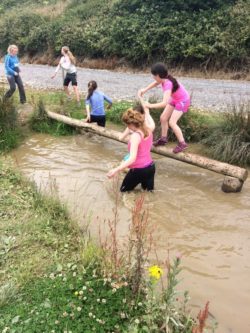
[
  {"x": 95, "y": 106},
  {"x": 67, "y": 63},
  {"x": 176, "y": 102},
  {"x": 12, "y": 70},
  {"x": 139, "y": 160}
]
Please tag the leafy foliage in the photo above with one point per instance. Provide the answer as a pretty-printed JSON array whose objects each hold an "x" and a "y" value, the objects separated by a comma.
[{"x": 139, "y": 31}]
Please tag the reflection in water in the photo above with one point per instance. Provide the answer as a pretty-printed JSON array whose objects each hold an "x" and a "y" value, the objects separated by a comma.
[{"x": 190, "y": 213}]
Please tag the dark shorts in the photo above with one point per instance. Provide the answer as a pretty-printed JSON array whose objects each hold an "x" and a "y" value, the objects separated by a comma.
[
  {"x": 143, "y": 176},
  {"x": 70, "y": 78},
  {"x": 100, "y": 120}
]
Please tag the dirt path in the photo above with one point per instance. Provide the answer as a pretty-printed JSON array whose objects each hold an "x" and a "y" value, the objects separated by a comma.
[{"x": 206, "y": 94}]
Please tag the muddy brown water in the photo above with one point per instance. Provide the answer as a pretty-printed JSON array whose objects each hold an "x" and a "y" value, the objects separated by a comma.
[{"x": 191, "y": 215}]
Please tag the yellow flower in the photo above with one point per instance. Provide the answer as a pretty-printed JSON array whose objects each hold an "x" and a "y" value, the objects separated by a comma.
[
  {"x": 76, "y": 293},
  {"x": 155, "y": 272}
]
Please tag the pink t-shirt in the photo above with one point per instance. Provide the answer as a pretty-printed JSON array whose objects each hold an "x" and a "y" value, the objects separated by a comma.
[
  {"x": 143, "y": 158},
  {"x": 180, "y": 95}
]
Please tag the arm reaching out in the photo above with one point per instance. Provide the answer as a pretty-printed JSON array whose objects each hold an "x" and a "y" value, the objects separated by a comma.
[{"x": 142, "y": 91}]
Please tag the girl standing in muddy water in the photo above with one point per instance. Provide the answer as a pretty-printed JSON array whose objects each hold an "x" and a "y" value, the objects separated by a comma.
[
  {"x": 139, "y": 160},
  {"x": 67, "y": 63},
  {"x": 176, "y": 102}
]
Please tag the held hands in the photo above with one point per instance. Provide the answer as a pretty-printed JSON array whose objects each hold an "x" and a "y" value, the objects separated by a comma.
[{"x": 141, "y": 92}]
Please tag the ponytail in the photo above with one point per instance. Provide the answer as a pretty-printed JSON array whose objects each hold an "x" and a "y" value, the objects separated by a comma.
[
  {"x": 92, "y": 85},
  {"x": 174, "y": 81},
  {"x": 161, "y": 70}
]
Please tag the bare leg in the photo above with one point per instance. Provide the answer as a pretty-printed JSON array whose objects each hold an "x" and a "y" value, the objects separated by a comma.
[
  {"x": 66, "y": 89},
  {"x": 176, "y": 115},
  {"x": 77, "y": 93},
  {"x": 165, "y": 116}
]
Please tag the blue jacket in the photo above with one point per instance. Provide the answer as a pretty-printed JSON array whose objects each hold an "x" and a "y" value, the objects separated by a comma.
[
  {"x": 96, "y": 101},
  {"x": 11, "y": 64}
]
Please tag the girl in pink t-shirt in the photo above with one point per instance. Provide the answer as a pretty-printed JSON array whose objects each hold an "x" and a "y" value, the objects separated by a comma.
[
  {"x": 176, "y": 101},
  {"x": 139, "y": 160}
]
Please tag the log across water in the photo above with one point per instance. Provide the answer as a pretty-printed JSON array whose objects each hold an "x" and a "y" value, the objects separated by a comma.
[{"x": 235, "y": 176}]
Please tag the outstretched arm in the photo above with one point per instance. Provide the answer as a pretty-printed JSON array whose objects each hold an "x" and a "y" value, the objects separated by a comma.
[
  {"x": 159, "y": 105},
  {"x": 142, "y": 91},
  {"x": 135, "y": 141},
  {"x": 124, "y": 134}
]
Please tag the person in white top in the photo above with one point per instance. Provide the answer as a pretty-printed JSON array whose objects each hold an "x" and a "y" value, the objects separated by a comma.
[{"x": 67, "y": 63}]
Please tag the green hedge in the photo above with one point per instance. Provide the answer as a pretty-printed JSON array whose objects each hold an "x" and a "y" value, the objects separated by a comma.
[{"x": 193, "y": 32}]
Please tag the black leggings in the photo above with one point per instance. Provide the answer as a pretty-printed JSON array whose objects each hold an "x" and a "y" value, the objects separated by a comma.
[{"x": 143, "y": 176}]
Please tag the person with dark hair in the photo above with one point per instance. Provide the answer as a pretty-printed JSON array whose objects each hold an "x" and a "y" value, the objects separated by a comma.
[
  {"x": 12, "y": 70},
  {"x": 176, "y": 101},
  {"x": 95, "y": 101},
  {"x": 139, "y": 160},
  {"x": 67, "y": 63}
]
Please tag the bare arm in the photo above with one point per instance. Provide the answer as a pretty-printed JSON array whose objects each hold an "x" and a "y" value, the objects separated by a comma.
[
  {"x": 159, "y": 105},
  {"x": 135, "y": 141},
  {"x": 124, "y": 134},
  {"x": 142, "y": 91}
]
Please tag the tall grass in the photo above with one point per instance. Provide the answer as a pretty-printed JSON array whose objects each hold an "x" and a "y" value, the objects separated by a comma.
[
  {"x": 229, "y": 140},
  {"x": 40, "y": 122},
  {"x": 10, "y": 133}
]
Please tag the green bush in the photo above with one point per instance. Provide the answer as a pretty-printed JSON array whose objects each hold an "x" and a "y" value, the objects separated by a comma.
[
  {"x": 229, "y": 140},
  {"x": 10, "y": 134}
]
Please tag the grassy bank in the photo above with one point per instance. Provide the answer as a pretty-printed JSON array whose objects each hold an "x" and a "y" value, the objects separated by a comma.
[
  {"x": 10, "y": 133},
  {"x": 53, "y": 279}
]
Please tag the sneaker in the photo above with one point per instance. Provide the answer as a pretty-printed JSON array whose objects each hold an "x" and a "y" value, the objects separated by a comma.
[
  {"x": 180, "y": 147},
  {"x": 161, "y": 141}
]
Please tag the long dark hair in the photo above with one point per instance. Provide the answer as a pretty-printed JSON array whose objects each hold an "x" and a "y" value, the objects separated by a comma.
[
  {"x": 161, "y": 70},
  {"x": 92, "y": 85}
]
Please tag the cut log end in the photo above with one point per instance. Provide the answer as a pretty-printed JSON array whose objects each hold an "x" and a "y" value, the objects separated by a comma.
[{"x": 231, "y": 185}]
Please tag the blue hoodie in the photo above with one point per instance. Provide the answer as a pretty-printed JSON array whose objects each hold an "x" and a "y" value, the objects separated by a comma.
[{"x": 11, "y": 64}]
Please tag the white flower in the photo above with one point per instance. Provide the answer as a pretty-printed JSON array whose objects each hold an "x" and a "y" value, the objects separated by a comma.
[
  {"x": 137, "y": 321},
  {"x": 74, "y": 274},
  {"x": 104, "y": 300},
  {"x": 98, "y": 300},
  {"x": 139, "y": 304},
  {"x": 113, "y": 290},
  {"x": 90, "y": 314},
  {"x": 124, "y": 300},
  {"x": 78, "y": 308},
  {"x": 80, "y": 292},
  {"x": 65, "y": 314},
  {"x": 123, "y": 315},
  {"x": 84, "y": 288},
  {"x": 57, "y": 322}
]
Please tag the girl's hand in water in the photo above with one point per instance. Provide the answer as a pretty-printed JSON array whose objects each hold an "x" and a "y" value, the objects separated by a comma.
[{"x": 112, "y": 173}]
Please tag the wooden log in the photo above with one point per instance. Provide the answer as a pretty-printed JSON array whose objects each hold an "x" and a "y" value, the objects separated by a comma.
[
  {"x": 194, "y": 159},
  {"x": 231, "y": 185}
]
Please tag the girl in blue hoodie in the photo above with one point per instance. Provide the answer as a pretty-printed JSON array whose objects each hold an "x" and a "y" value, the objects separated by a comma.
[{"x": 12, "y": 71}]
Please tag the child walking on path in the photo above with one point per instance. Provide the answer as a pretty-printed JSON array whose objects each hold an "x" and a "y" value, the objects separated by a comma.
[
  {"x": 176, "y": 101},
  {"x": 12, "y": 71},
  {"x": 95, "y": 101},
  {"x": 139, "y": 160},
  {"x": 67, "y": 63}
]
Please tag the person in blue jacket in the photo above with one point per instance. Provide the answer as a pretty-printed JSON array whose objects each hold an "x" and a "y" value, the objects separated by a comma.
[
  {"x": 95, "y": 102},
  {"x": 12, "y": 72}
]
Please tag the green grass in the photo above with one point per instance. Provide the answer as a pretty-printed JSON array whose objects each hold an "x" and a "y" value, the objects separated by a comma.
[{"x": 10, "y": 133}]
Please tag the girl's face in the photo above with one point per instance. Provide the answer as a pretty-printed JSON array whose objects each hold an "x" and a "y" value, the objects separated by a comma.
[
  {"x": 14, "y": 51},
  {"x": 158, "y": 79}
]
